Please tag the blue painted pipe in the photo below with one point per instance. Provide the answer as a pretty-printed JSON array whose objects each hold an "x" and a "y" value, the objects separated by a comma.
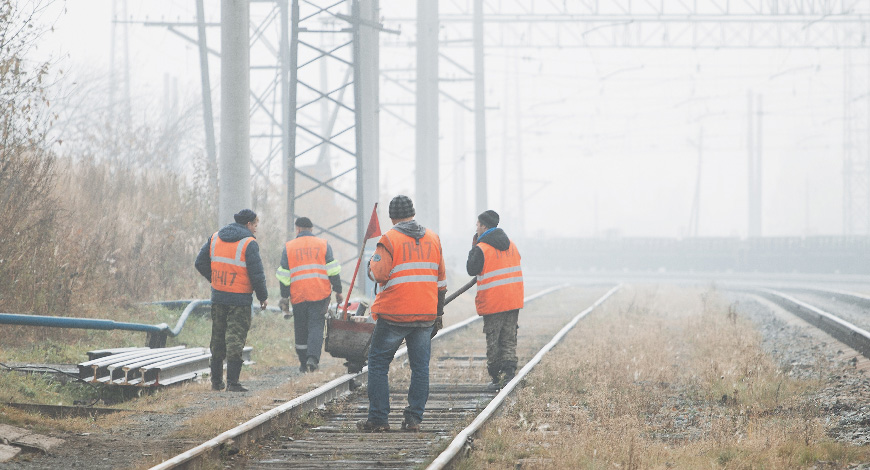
[
  {"x": 97, "y": 324},
  {"x": 84, "y": 323},
  {"x": 194, "y": 304}
]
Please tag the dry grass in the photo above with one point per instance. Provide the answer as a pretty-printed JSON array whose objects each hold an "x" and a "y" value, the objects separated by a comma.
[
  {"x": 48, "y": 425},
  {"x": 661, "y": 378},
  {"x": 213, "y": 422}
]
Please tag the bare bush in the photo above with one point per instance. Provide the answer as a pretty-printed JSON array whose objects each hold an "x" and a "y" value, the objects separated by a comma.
[
  {"x": 111, "y": 219},
  {"x": 27, "y": 208},
  {"x": 135, "y": 232}
]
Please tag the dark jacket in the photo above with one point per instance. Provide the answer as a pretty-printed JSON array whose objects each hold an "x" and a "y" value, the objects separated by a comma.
[
  {"x": 335, "y": 280},
  {"x": 496, "y": 239},
  {"x": 233, "y": 233}
]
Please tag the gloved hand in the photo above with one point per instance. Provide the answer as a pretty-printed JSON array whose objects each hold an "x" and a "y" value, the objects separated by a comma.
[
  {"x": 438, "y": 325},
  {"x": 442, "y": 294},
  {"x": 284, "y": 305},
  {"x": 474, "y": 239},
  {"x": 339, "y": 299}
]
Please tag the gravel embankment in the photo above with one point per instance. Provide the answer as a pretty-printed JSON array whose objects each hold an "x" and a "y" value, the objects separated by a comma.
[{"x": 806, "y": 352}]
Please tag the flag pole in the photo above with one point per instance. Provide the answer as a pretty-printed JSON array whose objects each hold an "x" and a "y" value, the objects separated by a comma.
[{"x": 358, "y": 262}]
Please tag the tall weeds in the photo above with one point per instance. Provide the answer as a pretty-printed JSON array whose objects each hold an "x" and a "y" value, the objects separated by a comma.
[{"x": 110, "y": 220}]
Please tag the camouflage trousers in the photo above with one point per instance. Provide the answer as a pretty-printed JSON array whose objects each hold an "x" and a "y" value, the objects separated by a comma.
[
  {"x": 501, "y": 342},
  {"x": 229, "y": 330}
]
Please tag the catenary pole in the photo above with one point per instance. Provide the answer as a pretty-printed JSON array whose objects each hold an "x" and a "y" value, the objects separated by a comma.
[
  {"x": 235, "y": 158},
  {"x": 479, "y": 111},
  {"x": 426, "y": 175}
]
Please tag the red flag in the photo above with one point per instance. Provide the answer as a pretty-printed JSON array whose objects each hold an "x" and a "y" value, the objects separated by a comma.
[{"x": 374, "y": 229}]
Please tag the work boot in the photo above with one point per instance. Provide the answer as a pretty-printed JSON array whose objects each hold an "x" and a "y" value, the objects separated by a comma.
[
  {"x": 234, "y": 369},
  {"x": 409, "y": 423},
  {"x": 312, "y": 364},
  {"x": 217, "y": 375},
  {"x": 509, "y": 373},
  {"x": 496, "y": 383},
  {"x": 493, "y": 386},
  {"x": 303, "y": 368},
  {"x": 495, "y": 373},
  {"x": 365, "y": 425}
]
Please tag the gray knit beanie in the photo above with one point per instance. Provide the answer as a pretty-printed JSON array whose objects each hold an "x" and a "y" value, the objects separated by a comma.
[{"x": 401, "y": 207}]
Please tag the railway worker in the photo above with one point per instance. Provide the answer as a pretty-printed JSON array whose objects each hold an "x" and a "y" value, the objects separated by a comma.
[
  {"x": 230, "y": 260},
  {"x": 307, "y": 270},
  {"x": 495, "y": 261},
  {"x": 409, "y": 269}
]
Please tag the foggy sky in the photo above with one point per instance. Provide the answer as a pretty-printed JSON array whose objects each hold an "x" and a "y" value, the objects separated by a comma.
[{"x": 608, "y": 136}]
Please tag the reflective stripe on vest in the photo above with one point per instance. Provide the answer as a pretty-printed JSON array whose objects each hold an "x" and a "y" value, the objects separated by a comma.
[
  {"x": 229, "y": 270},
  {"x": 411, "y": 293},
  {"x": 307, "y": 275},
  {"x": 500, "y": 282}
]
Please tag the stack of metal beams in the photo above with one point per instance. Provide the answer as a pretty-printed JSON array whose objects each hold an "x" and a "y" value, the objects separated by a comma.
[{"x": 147, "y": 367}]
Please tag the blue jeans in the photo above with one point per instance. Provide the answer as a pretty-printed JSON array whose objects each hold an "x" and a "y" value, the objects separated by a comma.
[{"x": 386, "y": 340}]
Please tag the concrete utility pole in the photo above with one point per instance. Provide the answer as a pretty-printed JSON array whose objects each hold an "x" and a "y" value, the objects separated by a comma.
[
  {"x": 119, "y": 7},
  {"x": 460, "y": 197},
  {"x": 695, "y": 216},
  {"x": 427, "y": 195},
  {"x": 756, "y": 211},
  {"x": 207, "y": 113},
  {"x": 287, "y": 152},
  {"x": 753, "y": 148},
  {"x": 235, "y": 158},
  {"x": 479, "y": 111},
  {"x": 368, "y": 63},
  {"x": 520, "y": 228}
]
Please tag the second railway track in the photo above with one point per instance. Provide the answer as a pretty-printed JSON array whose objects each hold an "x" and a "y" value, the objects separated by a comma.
[
  {"x": 458, "y": 392},
  {"x": 848, "y": 327}
]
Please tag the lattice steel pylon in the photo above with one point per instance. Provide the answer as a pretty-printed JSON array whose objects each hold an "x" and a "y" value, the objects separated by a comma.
[
  {"x": 332, "y": 171},
  {"x": 268, "y": 136},
  {"x": 313, "y": 83}
]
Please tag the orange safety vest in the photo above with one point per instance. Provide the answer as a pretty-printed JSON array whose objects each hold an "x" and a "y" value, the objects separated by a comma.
[
  {"x": 306, "y": 259},
  {"x": 229, "y": 271},
  {"x": 411, "y": 293},
  {"x": 500, "y": 282}
]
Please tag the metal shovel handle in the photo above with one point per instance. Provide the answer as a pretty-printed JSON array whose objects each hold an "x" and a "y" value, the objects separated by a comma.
[{"x": 461, "y": 291}]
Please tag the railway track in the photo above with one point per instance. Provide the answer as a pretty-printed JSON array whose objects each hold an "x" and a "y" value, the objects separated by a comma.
[
  {"x": 458, "y": 396},
  {"x": 849, "y": 326}
]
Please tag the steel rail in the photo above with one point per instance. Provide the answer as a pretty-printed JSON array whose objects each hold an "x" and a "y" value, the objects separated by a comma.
[
  {"x": 853, "y": 336},
  {"x": 457, "y": 326},
  {"x": 260, "y": 425},
  {"x": 459, "y": 442},
  {"x": 850, "y": 297}
]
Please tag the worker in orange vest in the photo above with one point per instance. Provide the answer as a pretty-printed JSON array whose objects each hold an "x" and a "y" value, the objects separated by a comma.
[
  {"x": 409, "y": 269},
  {"x": 495, "y": 260},
  {"x": 230, "y": 260},
  {"x": 306, "y": 272}
]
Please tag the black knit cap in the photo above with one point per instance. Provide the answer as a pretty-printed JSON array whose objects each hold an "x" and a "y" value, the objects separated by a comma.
[
  {"x": 401, "y": 207},
  {"x": 304, "y": 222},
  {"x": 489, "y": 218},
  {"x": 244, "y": 216}
]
